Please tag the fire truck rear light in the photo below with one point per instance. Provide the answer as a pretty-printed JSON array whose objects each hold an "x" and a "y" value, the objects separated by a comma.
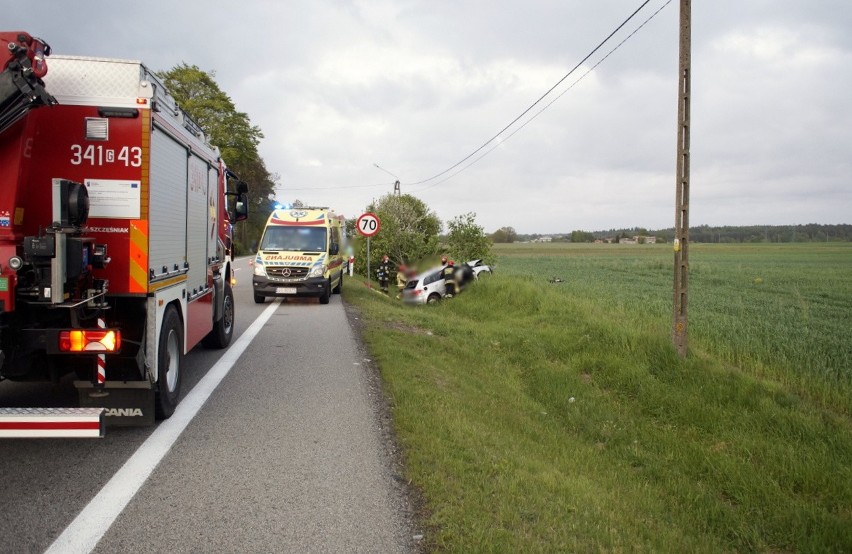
[{"x": 90, "y": 340}]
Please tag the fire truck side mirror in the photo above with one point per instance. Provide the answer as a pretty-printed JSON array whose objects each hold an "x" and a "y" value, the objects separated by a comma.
[
  {"x": 240, "y": 208},
  {"x": 238, "y": 211}
]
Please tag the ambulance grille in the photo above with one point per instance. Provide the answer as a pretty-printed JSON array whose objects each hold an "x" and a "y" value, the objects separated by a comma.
[{"x": 288, "y": 272}]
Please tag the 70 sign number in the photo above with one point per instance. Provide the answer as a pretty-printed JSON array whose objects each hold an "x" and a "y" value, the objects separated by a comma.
[{"x": 368, "y": 224}]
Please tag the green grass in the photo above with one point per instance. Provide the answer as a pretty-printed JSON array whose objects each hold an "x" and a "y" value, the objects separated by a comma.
[{"x": 557, "y": 418}]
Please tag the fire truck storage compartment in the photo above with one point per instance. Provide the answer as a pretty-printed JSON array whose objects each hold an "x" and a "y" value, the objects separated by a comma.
[{"x": 167, "y": 224}]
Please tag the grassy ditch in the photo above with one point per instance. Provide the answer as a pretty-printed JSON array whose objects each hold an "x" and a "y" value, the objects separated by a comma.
[{"x": 543, "y": 418}]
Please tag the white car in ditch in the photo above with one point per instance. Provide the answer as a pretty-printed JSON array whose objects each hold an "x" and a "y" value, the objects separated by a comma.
[{"x": 428, "y": 286}]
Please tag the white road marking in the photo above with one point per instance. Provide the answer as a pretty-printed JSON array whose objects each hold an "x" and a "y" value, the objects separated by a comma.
[{"x": 87, "y": 529}]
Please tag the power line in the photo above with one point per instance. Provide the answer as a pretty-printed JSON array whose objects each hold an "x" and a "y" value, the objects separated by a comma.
[
  {"x": 288, "y": 189},
  {"x": 561, "y": 94},
  {"x": 489, "y": 141}
]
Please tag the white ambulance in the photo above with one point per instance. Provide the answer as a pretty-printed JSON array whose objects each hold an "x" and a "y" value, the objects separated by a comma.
[{"x": 300, "y": 254}]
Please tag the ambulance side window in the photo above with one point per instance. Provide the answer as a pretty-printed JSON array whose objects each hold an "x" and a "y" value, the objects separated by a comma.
[{"x": 334, "y": 246}]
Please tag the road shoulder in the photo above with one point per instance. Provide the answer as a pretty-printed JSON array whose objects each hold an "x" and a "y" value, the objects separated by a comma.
[{"x": 412, "y": 504}]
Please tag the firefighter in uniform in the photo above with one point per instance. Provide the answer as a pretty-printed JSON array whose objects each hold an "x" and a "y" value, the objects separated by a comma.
[
  {"x": 383, "y": 273},
  {"x": 449, "y": 275},
  {"x": 401, "y": 280}
]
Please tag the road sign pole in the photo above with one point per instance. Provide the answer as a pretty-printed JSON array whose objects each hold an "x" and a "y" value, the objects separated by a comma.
[{"x": 368, "y": 225}]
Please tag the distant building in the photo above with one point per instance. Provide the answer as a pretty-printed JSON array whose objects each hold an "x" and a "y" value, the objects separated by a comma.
[{"x": 637, "y": 239}]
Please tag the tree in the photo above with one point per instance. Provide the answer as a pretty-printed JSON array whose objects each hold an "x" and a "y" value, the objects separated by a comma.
[
  {"x": 582, "y": 236},
  {"x": 197, "y": 93},
  {"x": 467, "y": 240},
  {"x": 409, "y": 230},
  {"x": 504, "y": 234}
]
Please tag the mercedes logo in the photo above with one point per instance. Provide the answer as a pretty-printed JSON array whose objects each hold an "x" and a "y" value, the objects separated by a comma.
[{"x": 286, "y": 272}]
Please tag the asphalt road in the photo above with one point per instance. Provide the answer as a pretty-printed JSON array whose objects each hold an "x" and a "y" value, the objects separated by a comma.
[{"x": 290, "y": 453}]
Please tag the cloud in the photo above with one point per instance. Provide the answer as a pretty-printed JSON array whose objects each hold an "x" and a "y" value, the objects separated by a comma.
[{"x": 416, "y": 86}]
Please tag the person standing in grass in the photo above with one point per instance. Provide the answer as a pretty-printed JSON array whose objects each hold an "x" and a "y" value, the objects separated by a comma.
[
  {"x": 401, "y": 280},
  {"x": 383, "y": 273},
  {"x": 449, "y": 275}
]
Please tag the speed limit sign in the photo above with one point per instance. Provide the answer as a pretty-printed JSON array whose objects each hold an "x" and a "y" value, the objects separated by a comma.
[{"x": 368, "y": 224}]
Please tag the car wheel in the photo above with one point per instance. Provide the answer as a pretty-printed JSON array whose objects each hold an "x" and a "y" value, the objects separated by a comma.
[
  {"x": 169, "y": 359},
  {"x": 326, "y": 293},
  {"x": 433, "y": 298},
  {"x": 259, "y": 299}
]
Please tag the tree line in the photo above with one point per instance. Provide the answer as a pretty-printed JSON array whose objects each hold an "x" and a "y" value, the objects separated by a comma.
[{"x": 812, "y": 232}]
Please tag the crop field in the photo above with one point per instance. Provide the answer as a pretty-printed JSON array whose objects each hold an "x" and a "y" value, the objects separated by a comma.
[
  {"x": 780, "y": 310},
  {"x": 556, "y": 417}
]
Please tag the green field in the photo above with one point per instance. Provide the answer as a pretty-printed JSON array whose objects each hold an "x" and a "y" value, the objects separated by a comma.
[
  {"x": 781, "y": 310},
  {"x": 539, "y": 417}
]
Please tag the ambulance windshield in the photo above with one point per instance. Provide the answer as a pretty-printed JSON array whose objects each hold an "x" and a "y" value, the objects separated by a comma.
[{"x": 296, "y": 239}]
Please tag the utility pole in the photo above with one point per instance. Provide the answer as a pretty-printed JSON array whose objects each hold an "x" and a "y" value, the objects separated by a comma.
[
  {"x": 395, "y": 184},
  {"x": 681, "y": 241}
]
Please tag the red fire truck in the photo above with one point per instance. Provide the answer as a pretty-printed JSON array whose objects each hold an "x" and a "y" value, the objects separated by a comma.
[{"x": 115, "y": 238}]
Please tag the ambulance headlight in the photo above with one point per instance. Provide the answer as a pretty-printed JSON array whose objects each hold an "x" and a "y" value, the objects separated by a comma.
[
  {"x": 316, "y": 271},
  {"x": 259, "y": 270}
]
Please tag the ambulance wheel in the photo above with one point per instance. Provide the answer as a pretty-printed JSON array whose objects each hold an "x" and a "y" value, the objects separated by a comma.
[
  {"x": 258, "y": 299},
  {"x": 326, "y": 293},
  {"x": 339, "y": 287},
  {"x": 169, "y": 359},
  {"x": 223, "y": 330}
]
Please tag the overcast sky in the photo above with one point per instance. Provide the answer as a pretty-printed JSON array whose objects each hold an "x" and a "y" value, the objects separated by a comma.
[{"x": 416, "y": 86}]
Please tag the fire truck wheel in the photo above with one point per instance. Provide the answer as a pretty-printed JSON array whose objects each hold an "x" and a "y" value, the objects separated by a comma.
[
  {"x": 169, "y": 358},
  {"x": 223, "y": 330},
  {"x": 326, "y": 293}
]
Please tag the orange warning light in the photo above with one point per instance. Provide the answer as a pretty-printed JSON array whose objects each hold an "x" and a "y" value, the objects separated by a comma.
[{"x": 90, "y": 340}]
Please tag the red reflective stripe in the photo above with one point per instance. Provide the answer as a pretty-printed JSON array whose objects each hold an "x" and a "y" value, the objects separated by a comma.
[{"x": 46, "y": 425}]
